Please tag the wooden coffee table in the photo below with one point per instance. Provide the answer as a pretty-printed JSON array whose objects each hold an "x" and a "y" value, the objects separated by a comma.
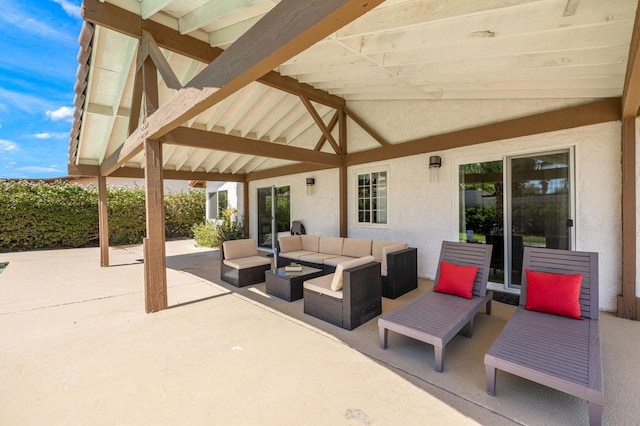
[{"x": 288, "y": 285}]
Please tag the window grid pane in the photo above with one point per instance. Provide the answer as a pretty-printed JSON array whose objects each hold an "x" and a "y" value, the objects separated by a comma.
[{"x": 372, "y": 198}]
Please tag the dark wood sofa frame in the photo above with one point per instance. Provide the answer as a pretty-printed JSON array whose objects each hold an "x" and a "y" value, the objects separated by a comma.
[
  {"x": 241, "y": 277},
  {"x": 555, "y": 351},
  {"x": 362, "y": 298},
  {"x": 435, "y": 318},
  {"x": 402, "y": 271}
]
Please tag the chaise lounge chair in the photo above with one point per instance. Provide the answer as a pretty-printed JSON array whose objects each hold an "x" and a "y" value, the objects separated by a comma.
[
  {"x": 436, "y": 317},
  {"x": 553, "y": 350}
]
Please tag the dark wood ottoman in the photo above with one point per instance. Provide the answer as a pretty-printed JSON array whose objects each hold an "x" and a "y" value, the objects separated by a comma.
[{"x": 288, "y": 285}]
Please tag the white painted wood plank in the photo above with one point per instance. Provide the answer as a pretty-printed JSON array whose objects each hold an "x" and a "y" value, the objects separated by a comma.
[
  {"x": 211, "y": 11},
  {"x": 602, "y": 35},
  {"x": 508, "y": 22},
  {"x": 263, "y": 107}
]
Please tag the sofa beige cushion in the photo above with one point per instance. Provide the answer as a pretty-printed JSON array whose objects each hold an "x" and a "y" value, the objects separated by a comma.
[
  {"x": 385, "y": 251},
  {"x": 289, "y": 243},
  {"x": 240, "y": 248},
  {"x": 336, "y": 282},
  {"x": 376, "y": 248},
  {"x": 356, "y": 247},
  {"x": 333, "y": 261},
  {"x": 316, "y": 257},
  {"x": 296, "y": 255},
  {"x": 322, "y": 285},
  {"x": 310, "y": 242},
  {"x": 331, "y": 245},
  {"x": 247, "y": 262}
]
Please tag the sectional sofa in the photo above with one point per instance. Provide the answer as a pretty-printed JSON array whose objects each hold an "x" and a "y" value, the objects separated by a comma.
[{"x": 398, "y": 262}]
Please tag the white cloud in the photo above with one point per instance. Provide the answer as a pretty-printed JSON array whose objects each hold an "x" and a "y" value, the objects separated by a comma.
[
  {"x": 26, "y": 22},
  {"x": 47, "y": 135},
  {"x": 62, "y": 113},
  {"x": 8, "y": 146},
  {"x": 38, "y": 169},
  {"x": 16, "y": 100},
  {"x": 70, "y": 8}
]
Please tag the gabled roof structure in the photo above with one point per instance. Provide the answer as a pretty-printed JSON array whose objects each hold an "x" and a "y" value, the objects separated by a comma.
[
  {"x": 242, "y": 90},
  {"x": 403, "y": 49}
]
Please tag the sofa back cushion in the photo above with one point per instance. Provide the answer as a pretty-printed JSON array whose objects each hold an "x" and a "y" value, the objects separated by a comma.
[
  {"x": 336, "y": 282},
  {"x": 385, "y": 251},
  {"x": 240, "y": 248},
  {"x": 356, "y": 247},
  {"x": 376, "y": 248},
  {"x": 310, "y": 242},
  {"x": 331, "y": 245},
  {"x": 290, "y": 243}
]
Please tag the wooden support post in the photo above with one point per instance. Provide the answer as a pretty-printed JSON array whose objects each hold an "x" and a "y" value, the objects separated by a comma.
[
  {"x": 103, "y": 221},
  {"x": 155, "y": 264},
  {"x": 627, "y": 302},
  {"x": 342, "y": 137},
  {"x": 155, "y": 272},
  {"x": 245, "y": 201}
]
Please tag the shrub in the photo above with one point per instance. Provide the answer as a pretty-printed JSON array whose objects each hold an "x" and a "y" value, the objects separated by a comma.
[
  {"x": 214, "y": 233},
  {"x": 127, "y": 215},
  {"x": 182, "y": 210},
  {"x": 38, "y": 215}
]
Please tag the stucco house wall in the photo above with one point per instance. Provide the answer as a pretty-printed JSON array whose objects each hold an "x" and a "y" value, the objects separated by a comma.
[{"x": 423, "y": 212}]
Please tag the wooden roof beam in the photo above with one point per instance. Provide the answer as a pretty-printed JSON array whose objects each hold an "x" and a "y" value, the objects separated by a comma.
[
  {"x": 132, "y": 25},
  {"x": 274, "y": 39},
  {"x": 184, "y": 136},
  {"x": 631, "y": 92},
  {"x": 567, "y": 118}
]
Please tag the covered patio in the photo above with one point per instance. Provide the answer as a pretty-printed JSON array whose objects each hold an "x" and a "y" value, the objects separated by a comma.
[
  {"x": 79, "y": 350},
  {"x": 273, "y": 92}
]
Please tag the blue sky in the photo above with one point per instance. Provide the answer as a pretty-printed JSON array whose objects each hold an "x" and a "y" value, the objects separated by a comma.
[{"x": 39, "y": 45}]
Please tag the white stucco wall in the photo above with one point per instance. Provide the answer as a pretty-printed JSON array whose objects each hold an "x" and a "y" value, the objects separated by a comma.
[
  {"x": 317, "y": 210},
  {"x": 234, "y": 196},
  {"x": 424, "y": 213}
]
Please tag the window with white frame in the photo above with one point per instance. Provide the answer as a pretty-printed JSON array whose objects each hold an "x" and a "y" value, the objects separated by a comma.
[{"x": 372, "y": 193}]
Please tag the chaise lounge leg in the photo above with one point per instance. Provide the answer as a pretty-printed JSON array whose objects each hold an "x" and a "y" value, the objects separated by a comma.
[
  {"x": 468, "y": 329},
  {"x": 383, "y": 337},
  {"x": 595, "y": 414},
  {"x": 488, "y": 306},
  {"x": 438, "y": 351},
  {"x": 491, "y": 380}
]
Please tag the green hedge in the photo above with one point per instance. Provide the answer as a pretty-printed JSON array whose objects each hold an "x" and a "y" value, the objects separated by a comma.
[{"x": 62, "y": 215}]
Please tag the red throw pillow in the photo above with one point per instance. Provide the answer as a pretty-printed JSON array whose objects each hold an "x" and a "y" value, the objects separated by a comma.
[
  {"x": 554, "y": 293},
  {"x": 456, "y": 279}
]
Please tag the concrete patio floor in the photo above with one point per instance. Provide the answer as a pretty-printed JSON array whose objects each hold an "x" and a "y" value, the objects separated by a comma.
[{"x": 78, "y": 349}]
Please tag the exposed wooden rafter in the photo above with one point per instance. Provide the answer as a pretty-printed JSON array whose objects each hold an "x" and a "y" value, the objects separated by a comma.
[
  {"x": 330, "y": 126},
  {"x": 195, "y": 138},
  {"x": 631, "y": 91},
  {"x": 567, "y": 118},
  {"x": 132, "y": 25},
  {"x": 360, "y": 122},
  {"x": 258, "y": 51},
  {"x": 318, "y": 120}
]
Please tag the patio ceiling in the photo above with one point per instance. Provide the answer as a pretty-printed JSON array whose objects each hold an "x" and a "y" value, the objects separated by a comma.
[{"x": 401, "y": 50}]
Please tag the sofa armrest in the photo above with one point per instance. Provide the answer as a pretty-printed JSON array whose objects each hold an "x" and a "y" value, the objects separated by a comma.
[
  {"x": 402, "y": 273},
  {"x": 362, "y": 294}
]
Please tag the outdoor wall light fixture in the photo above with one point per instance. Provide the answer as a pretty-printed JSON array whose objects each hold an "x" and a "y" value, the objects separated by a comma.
[
  {"x": 310, "y": 183},
  {"x": 435, "y": 162}
]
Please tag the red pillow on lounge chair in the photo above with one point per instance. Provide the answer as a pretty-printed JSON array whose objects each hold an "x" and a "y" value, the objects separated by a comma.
[
  {"x": 456, "y": 279},
  {"x": 554, "y": 293}
]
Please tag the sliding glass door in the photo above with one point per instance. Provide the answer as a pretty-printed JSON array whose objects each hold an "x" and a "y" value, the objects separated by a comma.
[
  {"x": 264, "y": 213},
  {"x": 517, "y": 202}
]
